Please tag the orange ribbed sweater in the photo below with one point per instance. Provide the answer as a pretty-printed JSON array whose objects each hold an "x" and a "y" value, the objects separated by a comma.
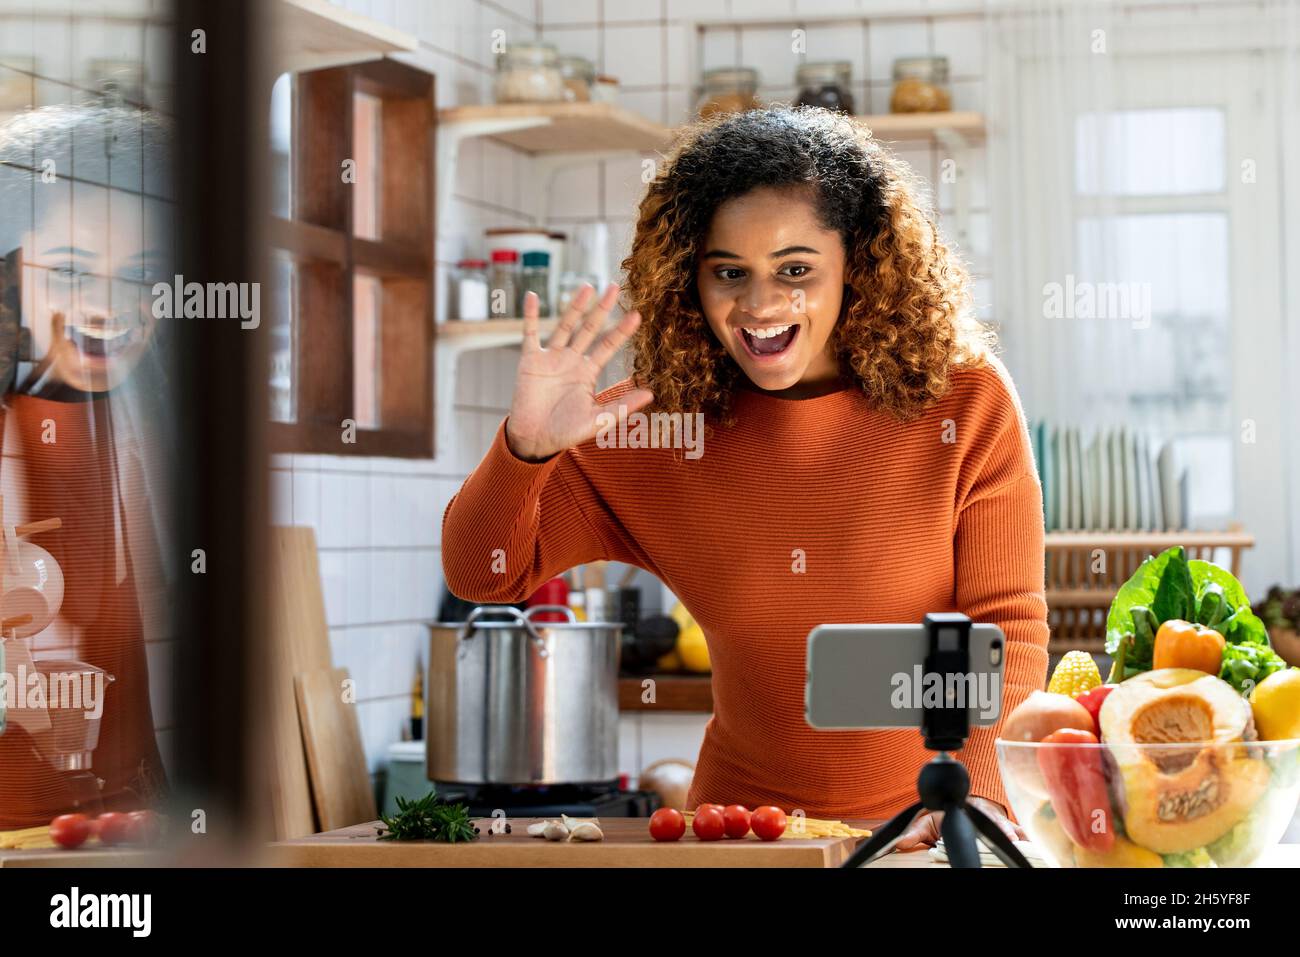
[{"x": 942, "y": 513}]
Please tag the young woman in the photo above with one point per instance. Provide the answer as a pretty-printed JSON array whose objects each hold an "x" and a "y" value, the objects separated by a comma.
[
  {"x": 90, "y": 425},
  {"x": 866, "y": 458}
]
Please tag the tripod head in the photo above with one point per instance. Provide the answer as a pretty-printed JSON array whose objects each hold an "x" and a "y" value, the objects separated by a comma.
[{"x": 946, "y": 727}]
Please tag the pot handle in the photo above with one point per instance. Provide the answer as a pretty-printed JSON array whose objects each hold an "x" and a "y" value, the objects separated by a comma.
[
  {"x": 467, "y": 629},
  {"x": 538, "y": 641}
]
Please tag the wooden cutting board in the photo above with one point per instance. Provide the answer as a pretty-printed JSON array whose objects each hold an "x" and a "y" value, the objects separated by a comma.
[
  {"x": 340, "y": 780},
  {"x": 627, "y": 843},
  {"x": 299, "y": 643}
]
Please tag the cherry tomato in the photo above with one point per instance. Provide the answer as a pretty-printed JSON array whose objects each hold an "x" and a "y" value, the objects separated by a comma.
[
  {"x": 709, "y": 824},
  {"x": 717, "y": 807},
  {"x": 768, "y": 823},
  {"x": 146, "y": 827},
  {"x": 114, "y": 828},
  {"x": 667, "y": 824},
  {"x": 1092, "y": 701},
  {"x": 736, "y": 817},
  {"x": 70, "y": 830}
]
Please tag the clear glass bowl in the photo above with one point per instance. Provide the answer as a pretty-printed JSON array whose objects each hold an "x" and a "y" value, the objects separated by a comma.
[{"x": 1154, "y": 805}]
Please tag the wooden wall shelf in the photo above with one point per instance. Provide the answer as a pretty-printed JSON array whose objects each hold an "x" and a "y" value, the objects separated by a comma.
[
  {"x": 315, "y": 34},
  {"x": 689, "y": 693},
  {"x": 921, "y": 126},
  {"x": 563, "y": 127}
]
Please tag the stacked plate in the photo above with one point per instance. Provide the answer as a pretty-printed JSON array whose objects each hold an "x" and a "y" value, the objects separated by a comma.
[{"x": 1112, "y": 480}]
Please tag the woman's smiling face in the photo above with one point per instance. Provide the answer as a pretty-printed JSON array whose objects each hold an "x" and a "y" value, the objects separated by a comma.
[{"x": 771, "y": 284}]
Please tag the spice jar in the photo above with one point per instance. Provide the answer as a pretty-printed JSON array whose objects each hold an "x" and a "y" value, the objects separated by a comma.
[
  {"x": 505, "y": 284},
  {"x": 529, "y": 73},
  {"x": 604, "y": 89},
  {"x": 921, "y": 85},
  {"x": 578, "y": 74},
  {"x": 825, "y": 85},
  {"x": 472, "y": 289},
  {"x": 728, "y": 90},
  {"x": 536, "y": 277}
]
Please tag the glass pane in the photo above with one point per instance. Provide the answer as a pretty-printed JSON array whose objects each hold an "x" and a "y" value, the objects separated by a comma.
[
  {"x": 1173, "y": 353},
  {"x": 367, "y": 303},
  {"x": 283, "y": 372},
  {"x": 367, "y": 115},
  {"x": 1150, "y": 152},
  {"x": 281, "y": 140}
]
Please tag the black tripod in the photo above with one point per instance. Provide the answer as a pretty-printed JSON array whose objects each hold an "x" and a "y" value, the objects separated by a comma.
[{"x": 943, "y": 783}]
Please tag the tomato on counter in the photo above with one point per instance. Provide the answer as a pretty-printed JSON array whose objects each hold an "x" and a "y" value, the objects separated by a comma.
[
  {"x": 709, "y": 823},
  {"x": 667, "y": 824},
  {"x": 114, "y": 828},
  {"x": 70, "y": 830},
  {"x": 769, "y": 823},
  {"x": 736, "y": 819}
]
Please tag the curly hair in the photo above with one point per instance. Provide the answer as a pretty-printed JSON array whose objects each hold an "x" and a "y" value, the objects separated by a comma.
[{"x": 906, "y": 320}]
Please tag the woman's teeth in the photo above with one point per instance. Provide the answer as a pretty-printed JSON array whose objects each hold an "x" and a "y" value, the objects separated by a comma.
[
  {"x": 769, "y": 340},
  {"x": 767, "y": 332}
]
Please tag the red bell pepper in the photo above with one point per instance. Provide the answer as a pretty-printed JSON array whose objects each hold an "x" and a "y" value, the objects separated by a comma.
[{"x": 1076, "y": 784}]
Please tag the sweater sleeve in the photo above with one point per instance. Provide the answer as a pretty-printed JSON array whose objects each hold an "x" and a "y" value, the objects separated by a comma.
[
  {"x": 514, "y": 524},
  {"x": 999, "y": 560}
]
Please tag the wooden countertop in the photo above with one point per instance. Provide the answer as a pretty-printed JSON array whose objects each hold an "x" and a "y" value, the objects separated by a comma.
[
  {"x": 627, "y": 843},
  {"x": 82, "y": 857}
]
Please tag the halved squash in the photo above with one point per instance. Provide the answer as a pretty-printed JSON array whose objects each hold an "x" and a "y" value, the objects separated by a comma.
[{"x": 1183, "y": 798}]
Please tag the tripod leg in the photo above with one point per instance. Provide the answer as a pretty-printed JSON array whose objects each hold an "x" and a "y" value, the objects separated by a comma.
[
  {"x": 884, "y": 838},
  {"x": 997, "y": 841},
  {"x": 959, "y": 837}
]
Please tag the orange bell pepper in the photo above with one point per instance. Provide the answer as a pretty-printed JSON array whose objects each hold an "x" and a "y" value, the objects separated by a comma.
[{"x": 1183, "y": 644}]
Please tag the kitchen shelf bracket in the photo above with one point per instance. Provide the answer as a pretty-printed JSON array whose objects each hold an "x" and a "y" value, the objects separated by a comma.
[{"x": 450, "y": 137}]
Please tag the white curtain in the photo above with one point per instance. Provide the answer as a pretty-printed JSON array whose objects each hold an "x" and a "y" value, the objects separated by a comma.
[{"x": 1145, "y": 239}]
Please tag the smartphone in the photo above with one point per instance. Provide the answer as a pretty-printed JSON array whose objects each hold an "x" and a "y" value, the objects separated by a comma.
[{"x": 872, "y": 676}]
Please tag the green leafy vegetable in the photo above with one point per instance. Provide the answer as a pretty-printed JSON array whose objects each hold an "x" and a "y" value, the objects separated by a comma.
[
  {"x": 1175, "y": 594},
  {"x": 1171, "y": 586},
  {"x": 428, "y": 819},
  {"x": 1212, "y": 606},
  {"x": 1246, "y": 665}
]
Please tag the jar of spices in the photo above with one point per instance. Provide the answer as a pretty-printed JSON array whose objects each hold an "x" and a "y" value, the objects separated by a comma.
[
  {"x": 536, "y": 277},
  {"x": 921, "y": 85},
  {"x": 825, "y": 85},
  {"x": 578, "y": 74},
  {"x": 728, "y": 90},
  {"x": 472, "y": 289},
  {"x": 504, "y": 293},
  {"x": 604, "y": 89},
  {"x": 529, "y": 73}
]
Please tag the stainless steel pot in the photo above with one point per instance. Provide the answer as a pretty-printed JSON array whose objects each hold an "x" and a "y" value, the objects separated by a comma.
[{"x": 522, "y": 701}]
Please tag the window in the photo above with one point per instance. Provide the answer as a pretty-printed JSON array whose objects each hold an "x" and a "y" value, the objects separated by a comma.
[
  {"x": 1153, "y": 188},
  {"x": 351, "y": 338}
]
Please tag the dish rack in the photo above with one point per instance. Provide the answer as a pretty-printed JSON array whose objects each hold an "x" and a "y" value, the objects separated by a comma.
[{"x": 1078, "y": 597}]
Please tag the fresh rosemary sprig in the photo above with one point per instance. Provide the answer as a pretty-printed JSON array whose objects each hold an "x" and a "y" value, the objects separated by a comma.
[{"x": 428, "y": 819}]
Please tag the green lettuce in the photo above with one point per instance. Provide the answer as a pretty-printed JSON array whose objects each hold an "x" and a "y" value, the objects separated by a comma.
[
  {"x": 1172, "y": 586},
  {"x": 1246, "y": 665}
]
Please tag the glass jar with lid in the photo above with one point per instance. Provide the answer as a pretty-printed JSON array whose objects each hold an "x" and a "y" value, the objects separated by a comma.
[
  {"x": 920, "y": 85},
  {"x": 504, "y": 281},
  {"x": 578, "y": 74},
  {"x": 529, "y": 73},
  {"x": 472, "y": 289},
  {"x": 728, "y": 90},
  {"x": 536, "y": 277},
  {"x": 825, "y": 84}
]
